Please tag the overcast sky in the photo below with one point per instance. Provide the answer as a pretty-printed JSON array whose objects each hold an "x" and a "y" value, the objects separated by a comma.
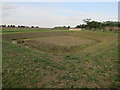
[{"x": 51, "y": 14}]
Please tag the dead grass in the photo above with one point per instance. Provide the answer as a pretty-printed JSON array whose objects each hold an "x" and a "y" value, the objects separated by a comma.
[{"x": 64, "y": 40}]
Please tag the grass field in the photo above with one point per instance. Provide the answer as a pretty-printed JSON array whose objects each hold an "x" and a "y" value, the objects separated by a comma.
[
  {"x": 26, "y": 30},
  {"x": 60, "y": 59}
]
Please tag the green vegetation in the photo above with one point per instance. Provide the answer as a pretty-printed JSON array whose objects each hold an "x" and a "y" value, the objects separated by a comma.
[
  {"x": 101, "y": 26},
  {"x": 90, "y": 25},
  {"x": 25, "y": 30},
  {"x": 84, "y": 59}
]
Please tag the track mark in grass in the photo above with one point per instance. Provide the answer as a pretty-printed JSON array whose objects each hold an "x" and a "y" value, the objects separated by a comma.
[{"x": 71, "y": 57}]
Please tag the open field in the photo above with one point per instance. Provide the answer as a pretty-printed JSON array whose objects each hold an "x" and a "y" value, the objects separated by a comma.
[
  {"x": 60, "y": 59},
  {"x": 26, "y": 30}
]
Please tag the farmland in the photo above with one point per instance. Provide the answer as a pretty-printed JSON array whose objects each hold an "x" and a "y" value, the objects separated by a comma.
[{"x": 59, "y": 59}]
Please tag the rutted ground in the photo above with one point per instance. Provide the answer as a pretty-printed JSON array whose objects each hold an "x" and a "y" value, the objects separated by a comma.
[{"x": 94, "y": 65}]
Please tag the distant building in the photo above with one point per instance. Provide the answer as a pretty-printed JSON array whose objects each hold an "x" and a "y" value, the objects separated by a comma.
[{"x": 75, "y": 29}]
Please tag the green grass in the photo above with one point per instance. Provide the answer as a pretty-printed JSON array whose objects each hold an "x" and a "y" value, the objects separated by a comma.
[
  {"x": 21, "y": 72},
  {"x": 27, "y": 31},
  {"x": 93, "y": 66}
]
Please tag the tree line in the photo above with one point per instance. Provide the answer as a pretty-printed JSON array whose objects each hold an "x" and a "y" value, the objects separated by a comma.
[
  {"x": 19, "y": 26},
  {"x": 62, "y": 27},
  {"x": 89, "y": 24}
]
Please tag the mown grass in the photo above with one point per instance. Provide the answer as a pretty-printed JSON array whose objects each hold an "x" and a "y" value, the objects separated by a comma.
[{"x": 93, "y": 66}]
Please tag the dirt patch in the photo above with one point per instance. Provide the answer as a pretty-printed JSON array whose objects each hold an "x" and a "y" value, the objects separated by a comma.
[
  {"x": 64, "y": 40},
  {"x": 59, "y": 44}
]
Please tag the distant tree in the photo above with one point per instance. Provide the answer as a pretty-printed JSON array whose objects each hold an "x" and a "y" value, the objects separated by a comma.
[
  {"x": 68, "y": 26},
  {"x": 3, "y": 25},
  {"x": 59, "y": 27},
  {"x": 12, "y": 25},
  {"x": 32, "y": 26},
  {"x": 64, "y": 26},
  {"x": 18, "y": 26},
  {"x": 22, "y": 26},
  {"x": 93, "y": 25},
  {"x": 87, "y": 20},
  {"x": 8, "y": 26},
  {"x": 36, "y": 27},
  {"x": 78, "y": 26}
]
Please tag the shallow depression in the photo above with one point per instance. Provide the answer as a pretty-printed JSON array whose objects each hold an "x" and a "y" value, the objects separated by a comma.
[{"x": 64, "y": 40}]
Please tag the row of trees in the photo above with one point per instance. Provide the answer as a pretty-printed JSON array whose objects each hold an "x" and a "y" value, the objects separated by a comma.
[
  {"x": 60, "y": 27},
  {"x": 89, "y": 24},
  {"x": 19, "y": 26},
  {"x": 97, "y": 25},
  {"x": 13, "y": 26}
]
